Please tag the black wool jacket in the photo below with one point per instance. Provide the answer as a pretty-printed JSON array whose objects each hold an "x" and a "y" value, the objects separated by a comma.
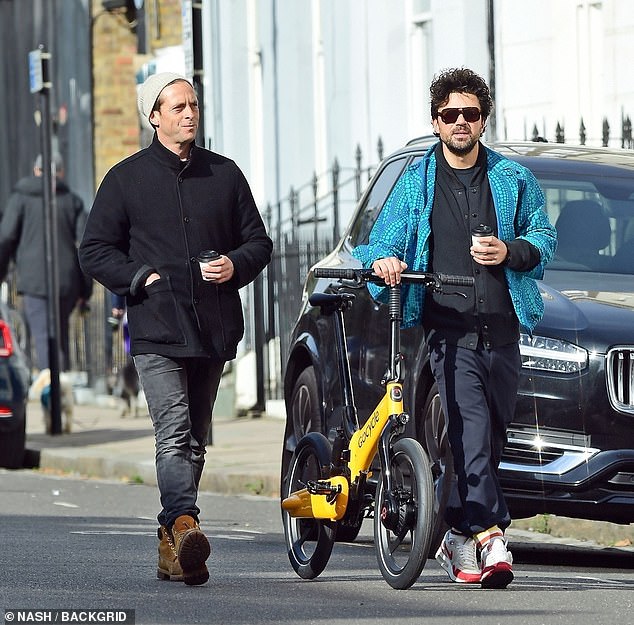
[{"x": 154, "y": 213}]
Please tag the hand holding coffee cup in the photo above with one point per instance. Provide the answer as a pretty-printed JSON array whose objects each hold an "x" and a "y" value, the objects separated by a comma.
[
  {"x": 478, "y": 232},
  {"x": 490, "y": 252},
  {"x": 204, "y": 258}
]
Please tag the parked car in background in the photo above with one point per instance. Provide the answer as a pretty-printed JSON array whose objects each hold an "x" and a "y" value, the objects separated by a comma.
[
  {"x": 15, "y": 378},
  {"x": 571, "y": 444}
]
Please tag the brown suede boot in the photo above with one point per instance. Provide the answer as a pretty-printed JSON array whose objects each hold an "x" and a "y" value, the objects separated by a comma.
[
  {"x": 168, "y": 566},
  {"x": 192, "y": 550}
]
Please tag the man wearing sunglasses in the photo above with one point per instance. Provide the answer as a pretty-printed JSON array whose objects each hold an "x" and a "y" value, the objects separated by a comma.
[{"x": 426, "y": 224}]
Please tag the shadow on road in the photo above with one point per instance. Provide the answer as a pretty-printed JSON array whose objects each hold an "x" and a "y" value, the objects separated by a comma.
[{"x": 569, "y": 555}]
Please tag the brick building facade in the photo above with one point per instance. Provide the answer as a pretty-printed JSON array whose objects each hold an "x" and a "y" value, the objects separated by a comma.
[{"x": 118, "y": 59}]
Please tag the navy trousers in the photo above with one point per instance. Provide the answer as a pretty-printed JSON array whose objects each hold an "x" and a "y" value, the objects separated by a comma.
[{"x": 478, "y": 393}]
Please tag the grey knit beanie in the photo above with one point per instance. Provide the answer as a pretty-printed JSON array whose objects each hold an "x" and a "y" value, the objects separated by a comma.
[
  {"x": 150, "y": 90},
  {"x": 56, "y": 158}
]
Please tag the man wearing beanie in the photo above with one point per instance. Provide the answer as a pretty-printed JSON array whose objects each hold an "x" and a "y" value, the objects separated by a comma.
[{"x": 153, "y": 214}]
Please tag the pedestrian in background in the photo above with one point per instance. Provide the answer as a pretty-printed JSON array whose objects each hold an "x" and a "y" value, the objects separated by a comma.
[
  {"x": 153, "y": 214},
  {"x": 22, "y": 239},
  {"x": 426, "y": 224}
]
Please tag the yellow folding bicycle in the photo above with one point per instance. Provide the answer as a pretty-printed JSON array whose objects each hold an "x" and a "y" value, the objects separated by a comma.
[{"x": 327, "y": 482}]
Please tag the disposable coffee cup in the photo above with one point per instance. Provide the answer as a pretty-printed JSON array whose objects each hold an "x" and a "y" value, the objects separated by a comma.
[
  {"x": 204, "y": 257},
  {"x": 480, "y": 231}
]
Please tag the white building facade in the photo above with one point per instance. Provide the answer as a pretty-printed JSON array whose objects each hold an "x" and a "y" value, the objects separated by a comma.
[{"x": 290, "y": 85}]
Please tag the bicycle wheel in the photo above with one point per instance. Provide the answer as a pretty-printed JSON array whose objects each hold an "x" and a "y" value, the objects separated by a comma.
[
  {"x": 309, "y": 541},
  {"x": 403, "y": 518}
]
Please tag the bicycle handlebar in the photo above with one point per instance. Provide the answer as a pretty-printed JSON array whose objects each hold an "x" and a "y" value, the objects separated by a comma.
[{"x": 367, "y": 275}]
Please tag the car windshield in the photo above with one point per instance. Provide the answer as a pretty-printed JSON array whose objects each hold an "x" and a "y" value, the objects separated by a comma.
[{"x": 594, "y": 217}]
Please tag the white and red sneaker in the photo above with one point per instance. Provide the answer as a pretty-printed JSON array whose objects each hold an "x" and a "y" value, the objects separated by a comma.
[
  {"x": 496, "y": 563},
  {"x": 457, "y": 555}
]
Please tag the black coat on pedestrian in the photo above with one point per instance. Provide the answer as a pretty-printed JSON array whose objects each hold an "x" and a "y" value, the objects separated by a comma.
[
  {"x": 155, "y": 213},
  {"x": 23, "y": 236}
]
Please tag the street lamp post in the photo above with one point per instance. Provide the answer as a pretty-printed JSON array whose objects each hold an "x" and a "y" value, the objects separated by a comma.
[{"x": 40, "y": 82}]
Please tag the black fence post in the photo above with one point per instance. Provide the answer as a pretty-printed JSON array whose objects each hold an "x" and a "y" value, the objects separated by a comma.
[
  {"x": 270, "y": 280},
  {"x": 335, "y": 202},
  {"x": 559, "y": 134},
  {"x": 535, "y": 133},
  {"x": 315, "y": 211},
  {"x": 293, "y": 207},
  {"x": 260, "y": 372},
  {"x": 626, "y": 132},
  {"x": 606, "y": 132},
  {"x": 582, "y": 133},
  {"x": 357, "y": 158}
]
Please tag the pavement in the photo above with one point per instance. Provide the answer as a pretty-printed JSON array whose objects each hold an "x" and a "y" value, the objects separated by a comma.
[{"x": 243, "y": 458}]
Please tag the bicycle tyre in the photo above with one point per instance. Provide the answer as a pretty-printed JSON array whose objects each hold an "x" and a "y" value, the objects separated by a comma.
[
  {"x": 402, "y": 551},
  {"x": 348, "y": 532},
  {"x": 309, "y": 542}
]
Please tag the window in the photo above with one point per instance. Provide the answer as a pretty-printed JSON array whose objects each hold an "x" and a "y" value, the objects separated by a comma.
[
  {"x": 593, "y": 218},
  {"x": 379, "y": 192}
]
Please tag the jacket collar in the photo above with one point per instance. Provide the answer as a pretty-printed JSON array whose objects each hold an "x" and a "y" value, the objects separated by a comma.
[{"x": 167, "y": 157}]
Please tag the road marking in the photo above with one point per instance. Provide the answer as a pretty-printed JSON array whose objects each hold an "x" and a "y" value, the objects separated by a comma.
[
  {"x": 229, "y": 537},
  {"x": 247, "y": 538},
  {"x": 112, "y": 533}
]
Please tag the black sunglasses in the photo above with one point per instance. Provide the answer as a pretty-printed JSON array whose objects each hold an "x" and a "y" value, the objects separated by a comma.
[{"x": 450, "y": 116}]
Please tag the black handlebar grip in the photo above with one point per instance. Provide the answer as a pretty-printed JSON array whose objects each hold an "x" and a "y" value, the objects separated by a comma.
[
  {"x": 330, "y": 272},
  {"x": 456, "y": 280}
]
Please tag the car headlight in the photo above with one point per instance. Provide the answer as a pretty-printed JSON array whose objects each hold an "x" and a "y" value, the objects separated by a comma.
[{"x": 545, "y": 354}]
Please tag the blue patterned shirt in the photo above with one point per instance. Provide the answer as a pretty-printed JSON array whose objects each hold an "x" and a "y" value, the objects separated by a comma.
[{"x": 403, "y": 230}]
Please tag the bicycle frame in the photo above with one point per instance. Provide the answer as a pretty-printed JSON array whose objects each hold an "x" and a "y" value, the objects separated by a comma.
[
  {"x": 326, "y": 490},
  {"x": 328, "y": 499}
]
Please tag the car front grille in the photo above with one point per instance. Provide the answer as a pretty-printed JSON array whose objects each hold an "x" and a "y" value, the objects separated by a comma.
[
  {"x": 545, "y": 451},
  {"x": 619, "y": 373}
]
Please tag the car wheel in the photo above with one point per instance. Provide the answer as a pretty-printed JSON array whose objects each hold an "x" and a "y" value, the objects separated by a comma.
[
  {"x": 432, "y": 434},
  {"x": 304, "y": 415},
  {"x": 12, "y": 445},
  {"x": 305, "y": 409}
]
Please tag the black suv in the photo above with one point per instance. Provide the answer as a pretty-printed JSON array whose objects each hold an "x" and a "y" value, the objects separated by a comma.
[{"x": 571, "y": 444}]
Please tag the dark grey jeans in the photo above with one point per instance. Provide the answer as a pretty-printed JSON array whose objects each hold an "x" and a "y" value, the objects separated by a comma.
[{"x": 180, "y": 393}]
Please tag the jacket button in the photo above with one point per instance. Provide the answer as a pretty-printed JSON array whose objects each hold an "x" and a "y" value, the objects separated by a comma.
[
  {"x": 196, "y": 300},
  {"x": 186, "y": 220},
  {"x": 180, "y": 180}
]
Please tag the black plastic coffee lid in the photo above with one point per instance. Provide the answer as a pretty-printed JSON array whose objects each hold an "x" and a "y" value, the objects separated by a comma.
[
  {"x": 482, "y": 231},
  {"x": 207, "y": 255}
]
